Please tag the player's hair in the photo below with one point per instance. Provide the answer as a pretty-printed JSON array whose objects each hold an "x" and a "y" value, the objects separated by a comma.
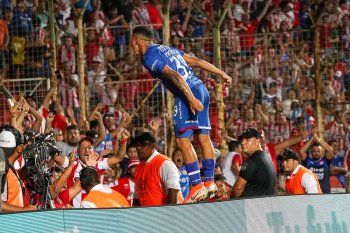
[{"x": 144, "y": 31}]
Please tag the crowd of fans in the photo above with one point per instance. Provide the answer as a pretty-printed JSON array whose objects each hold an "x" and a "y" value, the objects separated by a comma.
[{"x": 267, "y": 49}]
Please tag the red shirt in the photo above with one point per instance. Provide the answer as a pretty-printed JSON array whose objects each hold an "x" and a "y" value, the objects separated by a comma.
[
  {"x": 146, "y": 83},
  {"x": 154, "y": 15},
  {"x": 126, "y": 187},
  {"x": 325, "y": 35},
  {"x": 59, "y": 121},
  {"x": 91, "y": 50},
  {"x": 247, "y": 36}
]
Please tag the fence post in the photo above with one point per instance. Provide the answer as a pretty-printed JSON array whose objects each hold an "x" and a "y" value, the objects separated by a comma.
[
  {"x": 53, "y": 60},
  {"x": 219, "y": 86},
  {"x": 81, "y": 63},
  {"x": 170, "y": 98},
  {"x": 319, "y": 114}
]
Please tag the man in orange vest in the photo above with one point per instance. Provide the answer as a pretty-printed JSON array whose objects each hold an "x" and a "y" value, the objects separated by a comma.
[
  {"x": 156, "y": 177},
  {"x": 11, "y": 142},
  {"x": 300, "y": 180},
  {"x": 99, "y": 196}
]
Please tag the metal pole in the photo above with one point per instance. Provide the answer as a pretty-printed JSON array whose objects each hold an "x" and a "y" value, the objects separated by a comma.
[
  {"x": 53, "y": 49},
  {"x": 81, "y": 63},
  {"x": 318, "y": 82},
  {"x": 170, "y": 97},
  {"x": 219, "y": 86}
]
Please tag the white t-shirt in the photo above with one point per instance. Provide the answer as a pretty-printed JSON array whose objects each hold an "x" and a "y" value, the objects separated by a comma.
[{"x": 228, "y": 174}]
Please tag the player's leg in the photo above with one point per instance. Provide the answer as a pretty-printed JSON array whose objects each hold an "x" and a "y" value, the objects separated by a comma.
[
  {"x": 208, "y": 156},
  {"x": 198, "y": 192},
  {"x": 203, "y": 137},
  {"x": 183, "y": 132}
]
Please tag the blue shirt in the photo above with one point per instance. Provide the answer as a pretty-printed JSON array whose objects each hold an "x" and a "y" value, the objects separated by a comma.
[
  {"x": 158, "y": 56},
  {"x": 21, "y": 23},
  {"x": 184, "y": 182},
  {"x": 338, "y": 161},
  {"x": 321, "y": 168}
]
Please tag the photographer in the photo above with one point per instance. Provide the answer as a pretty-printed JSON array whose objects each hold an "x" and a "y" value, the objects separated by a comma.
[{"x": 11, "y": 141}]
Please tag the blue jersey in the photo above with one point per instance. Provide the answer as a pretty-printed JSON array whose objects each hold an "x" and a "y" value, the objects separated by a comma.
[
  {"x": 338, "y": 161},
  {"x": 158, "y": 56},
  {"x": 321, "y": 168},
  {"x": 184, "y": 182},
  {"x": 154, "y": 60}
]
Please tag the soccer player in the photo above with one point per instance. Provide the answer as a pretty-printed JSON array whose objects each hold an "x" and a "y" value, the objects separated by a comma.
[{"x": 191, "y": 110}]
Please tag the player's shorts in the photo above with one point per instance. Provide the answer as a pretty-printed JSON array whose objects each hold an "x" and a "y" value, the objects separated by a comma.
[{"x": 185, "y": 123}]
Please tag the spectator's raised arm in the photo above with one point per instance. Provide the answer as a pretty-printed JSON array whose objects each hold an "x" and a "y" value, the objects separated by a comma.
[
  {"x": 70, "y": 115},
  {"x": 264, "y": 11},
  {"x": 329, "y": 150},
  {"x": 119, "y": 148},
  {"x": 303, "y": 150},
  {"x": 101, "y": 129}
]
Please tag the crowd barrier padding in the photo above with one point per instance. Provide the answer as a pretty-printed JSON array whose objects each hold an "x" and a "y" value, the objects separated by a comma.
[{"x": 290, "y": 214}]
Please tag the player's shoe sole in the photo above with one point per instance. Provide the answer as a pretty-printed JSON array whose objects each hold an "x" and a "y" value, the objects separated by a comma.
[
  {"x": 211, "y": 187},
  {"x": 197, "y": 194}
]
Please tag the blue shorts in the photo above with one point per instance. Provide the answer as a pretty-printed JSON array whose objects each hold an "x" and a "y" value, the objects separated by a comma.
[{"x": 185, "y": 123}]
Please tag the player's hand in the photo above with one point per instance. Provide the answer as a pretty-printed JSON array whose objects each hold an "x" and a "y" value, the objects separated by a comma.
[
  {"x": 195, "y": 105},
  {"x": 226, "y": 80}
]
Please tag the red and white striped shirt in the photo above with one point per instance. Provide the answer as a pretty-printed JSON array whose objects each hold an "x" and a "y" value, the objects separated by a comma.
[
  {"x": 68, "y": 94},
  {"x": 278, "y": 133}
]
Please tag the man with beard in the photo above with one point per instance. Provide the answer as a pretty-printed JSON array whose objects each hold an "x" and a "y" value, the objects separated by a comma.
[{"x": 73, "y": 137}]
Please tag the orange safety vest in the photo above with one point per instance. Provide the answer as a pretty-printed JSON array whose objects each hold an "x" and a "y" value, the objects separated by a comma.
[
  {"x": 106, "y": 200},
  {"x": 293, "y": 183},
  {"x": 148, "y": 182},
  {"x": 14, "y": 189}
]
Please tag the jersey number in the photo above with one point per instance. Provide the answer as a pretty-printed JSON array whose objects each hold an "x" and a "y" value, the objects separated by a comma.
[{"x": 180, "y": 65}]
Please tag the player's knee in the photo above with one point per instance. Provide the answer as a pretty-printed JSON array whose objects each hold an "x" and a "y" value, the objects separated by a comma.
[
  {"x": 183, "y": 143},
  {"x": 203, "y": 138}
]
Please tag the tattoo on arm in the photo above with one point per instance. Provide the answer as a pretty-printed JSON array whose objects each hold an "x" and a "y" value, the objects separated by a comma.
[{"x": 177, "y": 81}]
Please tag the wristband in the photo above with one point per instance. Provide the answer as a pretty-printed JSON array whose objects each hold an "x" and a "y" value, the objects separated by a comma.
[{"x": 124, "y": 141}]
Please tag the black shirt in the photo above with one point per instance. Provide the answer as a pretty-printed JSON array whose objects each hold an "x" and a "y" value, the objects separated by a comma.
[{"x": 260, "y": 174}]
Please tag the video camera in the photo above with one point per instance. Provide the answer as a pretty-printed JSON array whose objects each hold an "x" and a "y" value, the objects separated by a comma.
[{"x": 37, "y": 154}]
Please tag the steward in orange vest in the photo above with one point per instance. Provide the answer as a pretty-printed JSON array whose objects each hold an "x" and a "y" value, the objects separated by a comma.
[
  {"x": 157, "y": 180},
  {"x": 98, "y": 195},
  {"x": 300, "y": 180},
  {"x": 11, "y": 143}
]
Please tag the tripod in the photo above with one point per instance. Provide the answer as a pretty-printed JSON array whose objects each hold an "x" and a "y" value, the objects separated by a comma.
[{"x": 43, "y": 198}]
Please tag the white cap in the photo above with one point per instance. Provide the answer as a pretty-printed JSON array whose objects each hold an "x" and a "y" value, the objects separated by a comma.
[
  {"x": 338, "y": 73},
  {"x": 7, "y": 139}
]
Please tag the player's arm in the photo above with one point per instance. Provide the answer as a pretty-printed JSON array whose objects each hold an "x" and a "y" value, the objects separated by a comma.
[
  {"x": 199, "y": 63},
  {"x": 180, "y": 83}
]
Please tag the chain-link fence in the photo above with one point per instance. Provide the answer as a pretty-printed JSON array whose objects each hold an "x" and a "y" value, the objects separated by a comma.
[{"x": 35, "y": 87}]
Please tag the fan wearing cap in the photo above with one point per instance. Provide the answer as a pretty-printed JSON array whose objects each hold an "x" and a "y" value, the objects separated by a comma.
[
  {"x": 300, "y": 180},
  {"x": 126, "y": 185},
  {"x": 156, "y": 177},
  {"x": 11, "y": 142},
  {"x": 257, "y": 176}
]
